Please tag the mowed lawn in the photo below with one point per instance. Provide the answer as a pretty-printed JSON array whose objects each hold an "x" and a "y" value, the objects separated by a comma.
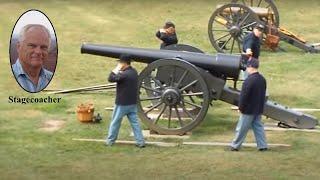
[{"x": 28, "y": 152}]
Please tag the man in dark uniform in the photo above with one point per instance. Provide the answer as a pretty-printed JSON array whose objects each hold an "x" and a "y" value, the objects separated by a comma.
[
  {"x": 251, "y": 104},
  {"x": 126, "y": 78},
  {"x": 167, "y": 35},
  {"x": 251, "y": 43}
]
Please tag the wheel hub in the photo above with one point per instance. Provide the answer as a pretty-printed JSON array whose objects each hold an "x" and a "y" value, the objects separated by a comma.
[
  {"x": 171, "y": 97},
  {"x": 235, "y": 31}
]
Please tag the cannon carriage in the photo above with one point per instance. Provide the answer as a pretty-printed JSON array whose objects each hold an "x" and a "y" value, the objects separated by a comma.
[
  {"x": 230, "y": 23},
  {"x": 177, "y": 87}
]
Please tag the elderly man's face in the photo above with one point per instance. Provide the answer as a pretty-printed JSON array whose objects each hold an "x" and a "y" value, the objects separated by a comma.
[{"x": 34, "y": 48}]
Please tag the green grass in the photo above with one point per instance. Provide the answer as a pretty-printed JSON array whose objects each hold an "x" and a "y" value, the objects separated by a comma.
[{"x": 29, "y": 153}]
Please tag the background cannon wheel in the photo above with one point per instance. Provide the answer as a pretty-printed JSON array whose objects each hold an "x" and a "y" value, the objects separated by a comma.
[
  {"x": 180, "y": 99},
  {"x": 263, "y": 4},
  {"x": 228, "y": 25},
  {"x": 183, "y": 47}
]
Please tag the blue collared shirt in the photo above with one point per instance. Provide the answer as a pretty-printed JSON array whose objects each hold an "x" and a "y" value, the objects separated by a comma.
[{"x": 24, "y": 80}]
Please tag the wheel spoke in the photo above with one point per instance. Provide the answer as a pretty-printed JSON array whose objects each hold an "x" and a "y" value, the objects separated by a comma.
[
  {"x": 161, "y": 112},
  {"x": 157, "y": 82},
  {"x": 179, "y": 118},
  {"x": 239, "y": 16},
  {"x": 150, "y": 98},
  {"x": 225, "y": 43},
  {"x": 244, "y": 19},
  {"x": 248, "y": 25},
  {"x": 150, "y": 89},
  {"x": 251, "y": 2},
  {"x": 172, "y": 77},
  {"x": 224, "y": 18},
  {"x": 181, "y": 79},
  {"x": 221, "y": 30},
  {"x": 231, "y": 13},
  {"x": 232, "y": 45},
  {"x": 186, "y": 111},
  {"x": 169, "y": 119},
  {"x": 193, "y": 94},
  {"x": 191, "y": 98},
  {"x": 259, "y": 3},
  {"x": 153, "y": 107},
  {"x": 190, "y": 84},
  {"x": 192, "y": 104},
  {"x": 222, "y": 37},
  {"x": 238, "y": 42}
]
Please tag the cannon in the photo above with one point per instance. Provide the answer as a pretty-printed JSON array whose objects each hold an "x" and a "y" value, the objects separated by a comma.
[
  {"x": 230, "y": 23},
  {"x": 177, "y": 87}
]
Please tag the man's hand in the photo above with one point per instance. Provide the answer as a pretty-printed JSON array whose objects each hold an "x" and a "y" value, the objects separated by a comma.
[
  {"x": 249, "y": 52},
  {"x": 117, "y": 69},
  {"x": 162, "y": 31}
]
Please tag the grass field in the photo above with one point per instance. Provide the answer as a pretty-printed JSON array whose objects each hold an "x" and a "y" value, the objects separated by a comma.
[{"x": 26, "y": 152}]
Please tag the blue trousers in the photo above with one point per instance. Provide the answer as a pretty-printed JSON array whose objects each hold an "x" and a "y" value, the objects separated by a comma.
[
  {"x": 246, "y": 122},
  {"x": 118, "y": 113}
]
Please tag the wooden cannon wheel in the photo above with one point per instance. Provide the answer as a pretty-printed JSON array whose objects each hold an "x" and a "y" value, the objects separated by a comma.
[
  {"x": 269, "y": 4},
  {"x": 180, "y": 98},
  {"x": 173, "y": 47},
  {"x": 228, "y": 25}
]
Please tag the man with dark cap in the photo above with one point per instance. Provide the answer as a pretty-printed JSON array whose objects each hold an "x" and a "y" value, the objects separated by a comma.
[
  {"x": 251, "y": 43},
  {"x": 167, "y": 35},
  {"x": 126, "y": 78},
  {"x": 251, "y": 104}
]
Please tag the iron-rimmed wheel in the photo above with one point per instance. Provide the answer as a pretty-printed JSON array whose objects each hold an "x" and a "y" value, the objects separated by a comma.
[
  {"x": 269, "y": 4},
  {"x": 180, "y": 98},
  {"x": 173, "y": 47},
  {"x": 228, "y": 25}
]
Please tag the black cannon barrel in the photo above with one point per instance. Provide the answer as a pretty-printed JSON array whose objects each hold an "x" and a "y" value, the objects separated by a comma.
[{"x": 227, "y": 65}]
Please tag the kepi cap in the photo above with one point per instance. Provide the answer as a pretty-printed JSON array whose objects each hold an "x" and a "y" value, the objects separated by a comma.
[
  {"x": 125, "y": 58},
  {"x": 168, "y": 24}
]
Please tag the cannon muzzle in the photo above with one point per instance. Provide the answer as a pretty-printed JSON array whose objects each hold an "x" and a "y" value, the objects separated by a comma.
[{"x": 221, "y": 64}]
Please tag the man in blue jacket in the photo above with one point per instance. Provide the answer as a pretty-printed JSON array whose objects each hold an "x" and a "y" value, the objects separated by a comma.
[
  {"x": 126, "y": 78},
  {"x": 167, "y": 35},
  {"x": 251, "y": 43},
  {"x": 251, "y": 104}
]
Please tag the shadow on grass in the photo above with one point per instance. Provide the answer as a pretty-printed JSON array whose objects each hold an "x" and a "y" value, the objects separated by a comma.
[{"x": 215, "y": 124}]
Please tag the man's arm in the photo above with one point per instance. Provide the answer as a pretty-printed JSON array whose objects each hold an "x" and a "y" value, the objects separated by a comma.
[
  {"x": 244, "y": 95},
  {"x": 247, "y": 46},
  {"x": 158, "y": 34},
  {"x": 171, "y": 39},
  {"x": 117, "y": 75},
  {"x": 113, "y": 77}
]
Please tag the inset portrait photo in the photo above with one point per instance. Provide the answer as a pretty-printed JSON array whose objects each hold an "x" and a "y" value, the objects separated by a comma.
[{"x": 33, "y": 51}]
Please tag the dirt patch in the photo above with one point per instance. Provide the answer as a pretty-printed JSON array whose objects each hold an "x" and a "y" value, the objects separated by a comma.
[{"x": 51, "y": 125}]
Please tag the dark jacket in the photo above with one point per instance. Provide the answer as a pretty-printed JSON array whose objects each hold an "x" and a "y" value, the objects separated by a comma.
[
  {"x": 127, "y": 86},
  {"x": 252, "y": 42},
  {"x": 167, "y": 39},
  {"x": 253, "y": 94}
]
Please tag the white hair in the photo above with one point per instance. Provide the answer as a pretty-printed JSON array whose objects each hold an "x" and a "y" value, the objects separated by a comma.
[{"x": 25, "y": 29}]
